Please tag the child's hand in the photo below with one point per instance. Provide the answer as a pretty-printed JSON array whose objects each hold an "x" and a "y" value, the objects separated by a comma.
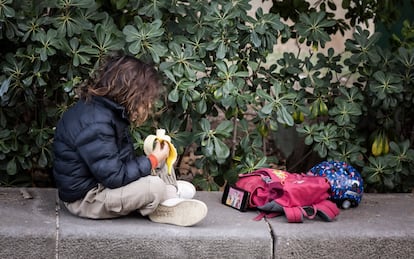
[{"x": 161, "y": 151}]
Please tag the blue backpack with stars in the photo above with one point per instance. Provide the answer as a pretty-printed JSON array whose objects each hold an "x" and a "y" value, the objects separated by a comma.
[{"x": 347, "y": 186}]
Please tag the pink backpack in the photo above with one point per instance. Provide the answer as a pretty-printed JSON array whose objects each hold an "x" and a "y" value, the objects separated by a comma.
[{"x": 277, "y": 192}]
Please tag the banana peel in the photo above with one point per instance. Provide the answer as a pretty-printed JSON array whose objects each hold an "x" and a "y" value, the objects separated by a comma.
[{"x": 161, "y": 137}]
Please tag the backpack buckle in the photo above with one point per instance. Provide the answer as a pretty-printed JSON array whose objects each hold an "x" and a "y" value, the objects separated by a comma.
[{"x": 267, "y": 179}]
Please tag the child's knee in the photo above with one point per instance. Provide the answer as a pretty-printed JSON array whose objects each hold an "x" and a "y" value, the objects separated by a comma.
[{"x": 157, "y": 185}]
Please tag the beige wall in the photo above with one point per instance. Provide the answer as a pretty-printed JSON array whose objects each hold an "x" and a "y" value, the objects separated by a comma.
[{"x": 337, "y": 41}]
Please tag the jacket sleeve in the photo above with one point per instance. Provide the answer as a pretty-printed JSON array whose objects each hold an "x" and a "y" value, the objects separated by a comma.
[{"x": 98, "y": 148}]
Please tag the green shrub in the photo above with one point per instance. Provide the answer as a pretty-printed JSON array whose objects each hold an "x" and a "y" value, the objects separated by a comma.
[{"x": 215, "y": 61}]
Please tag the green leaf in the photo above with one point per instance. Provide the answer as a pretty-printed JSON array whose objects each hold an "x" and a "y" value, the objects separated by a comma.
[
  {"x": 11, "y": 167},
  {"x": 221, "y": 51},
  {"x": 255, "y": 39},
  {"x": 267, "y": 109},
  {"x": 43, "y": 161},
  {"x": 284, "y": 117},
  {"x": 4, "y": 87},
  {"x": 385, "y": 84},
  {"x": 205, "y": 125},
  {"x": 222, "y": 151},
  {"x": 49, "y": 42},
  {"x": 4, "y": 133},
  {"x": 201, "y": 106},
  {"x": 174, "y": 96},
  {"x": 221, "y": 66},
  {"x": 152, "y": 9},
  {"x": 120, "y": 4},
  {"x": 6, "y": 11},
  {"x": 225, "y": 128}
]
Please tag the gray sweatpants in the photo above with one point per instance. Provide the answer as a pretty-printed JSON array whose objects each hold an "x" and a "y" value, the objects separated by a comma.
[{"x": 142, "y": 195}]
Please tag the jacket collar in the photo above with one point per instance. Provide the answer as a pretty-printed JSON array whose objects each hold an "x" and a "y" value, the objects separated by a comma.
[{"x": 111, "y": 105}]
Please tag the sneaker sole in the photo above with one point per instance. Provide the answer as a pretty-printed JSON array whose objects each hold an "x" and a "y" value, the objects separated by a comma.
[{"x": 185, "y": 213}]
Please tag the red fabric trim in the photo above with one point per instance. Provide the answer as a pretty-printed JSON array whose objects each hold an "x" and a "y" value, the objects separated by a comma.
[{"x": 153, "y": 160}]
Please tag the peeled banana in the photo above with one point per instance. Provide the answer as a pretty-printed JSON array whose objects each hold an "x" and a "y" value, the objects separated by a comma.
[{"x": 162, "y": 138}]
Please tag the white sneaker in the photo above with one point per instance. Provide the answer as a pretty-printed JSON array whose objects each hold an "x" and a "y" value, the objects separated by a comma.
[
  {"x": 180, "y": 212},
  {"x": 185, "y": 190}
]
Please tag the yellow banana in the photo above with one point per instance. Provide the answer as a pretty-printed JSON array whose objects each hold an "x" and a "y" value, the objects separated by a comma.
[
  {"x": 323, "y": 108},
  {"x": 298, "y": 117},
  {"x": 162, "y": 138},
  {"x": 314, "y": 110},
  {"x": 376, "y": 148}
]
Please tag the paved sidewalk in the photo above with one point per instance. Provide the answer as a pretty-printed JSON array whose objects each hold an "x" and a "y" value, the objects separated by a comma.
[{"x": 38, "y": 227}]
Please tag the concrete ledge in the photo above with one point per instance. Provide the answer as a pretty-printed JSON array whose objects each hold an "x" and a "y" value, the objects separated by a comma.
[
  {"x": 27, "y": 226},
  {"x": 381, "y": 227},
  {"x": 38, "y": 227}
]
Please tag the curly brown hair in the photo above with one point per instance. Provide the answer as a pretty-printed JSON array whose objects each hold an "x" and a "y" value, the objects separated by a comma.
[{"x": 127, "y": 81}]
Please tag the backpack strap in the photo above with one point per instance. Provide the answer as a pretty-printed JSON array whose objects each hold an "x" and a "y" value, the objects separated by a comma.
[
  {"x": 327, "y": 210},
  {"x": 267, "y": 215},
  {"x": 309, "y": 211},
  {"x": 294, "y": 215},
  {"x": 269, "y": 210}
]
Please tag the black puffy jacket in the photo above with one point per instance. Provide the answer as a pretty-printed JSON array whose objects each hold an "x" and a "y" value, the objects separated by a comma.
[{"x": 92, "y": 145}]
